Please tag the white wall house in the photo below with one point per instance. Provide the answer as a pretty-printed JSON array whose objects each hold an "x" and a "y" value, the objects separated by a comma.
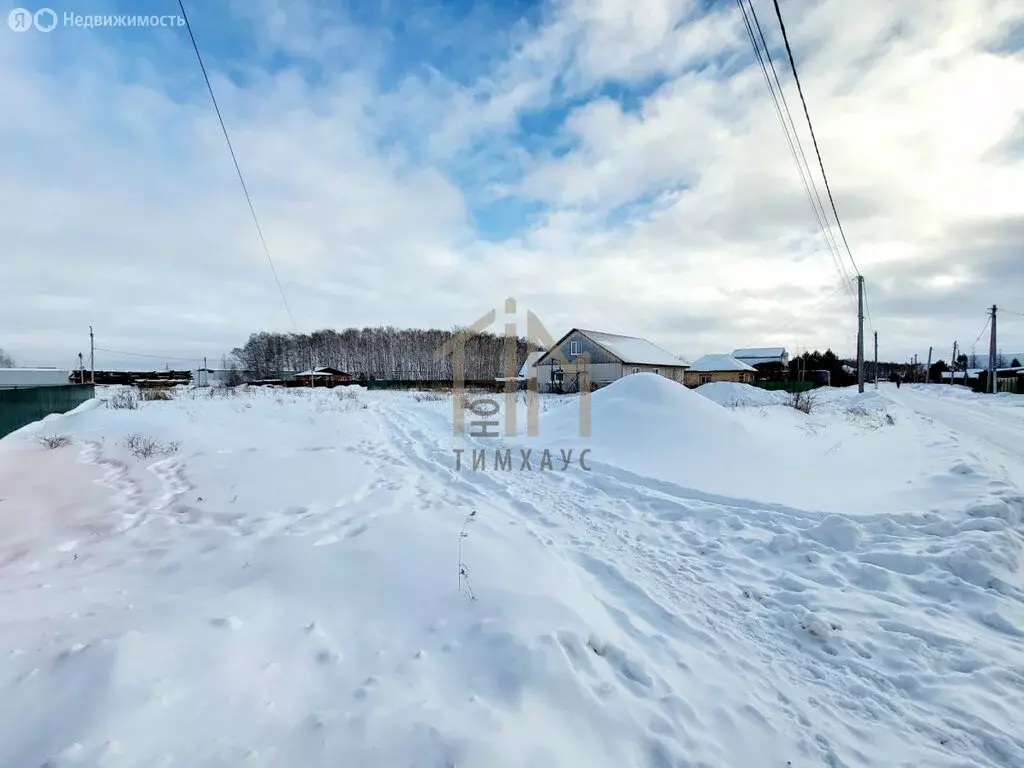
[{"x": 11, "y": 378}]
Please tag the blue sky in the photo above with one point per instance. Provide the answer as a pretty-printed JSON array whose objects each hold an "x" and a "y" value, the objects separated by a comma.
[{"x": 414, "y": 163}]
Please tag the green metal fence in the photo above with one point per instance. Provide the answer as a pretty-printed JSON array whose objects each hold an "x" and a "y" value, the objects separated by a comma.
[{"x": 24, "y": 405}]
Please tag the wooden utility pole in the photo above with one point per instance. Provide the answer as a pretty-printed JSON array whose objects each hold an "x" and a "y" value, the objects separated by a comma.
[
  {"x": 992, "y": 352},
  {"x": 928, "y": 370},
  {"x": 952, "y": 366},
  {"x": 81, "y": 369},
  {"x": 876, "y": 359},
  {"x": 860, "y": 333},
  {"x": 92, "y": 357}
]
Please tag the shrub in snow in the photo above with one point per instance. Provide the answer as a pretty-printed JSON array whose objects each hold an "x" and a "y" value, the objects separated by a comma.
[
  {"x": 155, "y": 394},
  {"x": 147, "y": 447},
  {"x": 123, "y": 398},
  {"x": 54, "y": 441},
  {"x": 802, "y": 401}
]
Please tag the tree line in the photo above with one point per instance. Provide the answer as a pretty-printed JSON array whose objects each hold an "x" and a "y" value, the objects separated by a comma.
[{"x": 376, "y": 353}]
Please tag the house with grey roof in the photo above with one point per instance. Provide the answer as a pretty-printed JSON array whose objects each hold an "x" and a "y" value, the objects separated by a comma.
[
  {"x": 772, "y": 363},
  {"x": 606, "y": 357}
]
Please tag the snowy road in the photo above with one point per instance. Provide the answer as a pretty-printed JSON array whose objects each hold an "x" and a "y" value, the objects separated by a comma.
[
  {"x": 284, "y": 590},
  {"x": 991, "y": 426}
]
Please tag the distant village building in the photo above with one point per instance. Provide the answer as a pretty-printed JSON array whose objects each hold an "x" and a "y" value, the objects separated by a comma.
[
  {"x": 611, "y": 357},
  {"x": 711, "y": 368},
  {"x": 772, "y": 363},
  {"x": 323, "y": 377}
]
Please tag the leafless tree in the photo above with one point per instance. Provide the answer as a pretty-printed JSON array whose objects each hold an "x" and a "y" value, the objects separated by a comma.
[
  {"x": 376, "y": 353},
  {"x": 6, "y": 361}
]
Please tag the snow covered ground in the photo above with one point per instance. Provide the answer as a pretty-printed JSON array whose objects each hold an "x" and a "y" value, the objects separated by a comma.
[{"x": 276, "y": 579}]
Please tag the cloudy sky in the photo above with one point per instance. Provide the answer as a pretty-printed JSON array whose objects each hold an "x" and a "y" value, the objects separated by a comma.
[{"x": 613, "y": 164}]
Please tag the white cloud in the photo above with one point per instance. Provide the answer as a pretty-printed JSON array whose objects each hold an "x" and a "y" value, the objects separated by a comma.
[{"x": 120, "y": 206}]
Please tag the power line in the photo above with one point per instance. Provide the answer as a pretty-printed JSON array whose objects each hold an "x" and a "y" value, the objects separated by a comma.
[
  {"x": 803, "y": 167},
  {"x": 867, "y": 307},
  {"x": 782, "y": 327},
  {"x": 987, "y": 321},
  {"x": 234, "y": 159},
  {"x": 810, "y": 125},
  {"x": 141, "y": 354},
  {"x": 806, "y": 177}
]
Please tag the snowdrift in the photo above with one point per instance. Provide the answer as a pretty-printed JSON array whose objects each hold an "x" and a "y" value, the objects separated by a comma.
[
  {"x": 654, "y": 406},
  {"x": 656, "y": 428},
  {"x": 728, "y": 393},
  {"x": 647, "y": 424},
  {"x": 295, "y": 587}
]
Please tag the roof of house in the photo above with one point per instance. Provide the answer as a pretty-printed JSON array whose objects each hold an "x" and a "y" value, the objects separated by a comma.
[
  {"x": 715, "y": 363},
  {"x": 756, "y": 355},
  {"x": 325, "y": 371},
  {"x": 629, "y": 349},
  {"x": 36, "y": 370}
]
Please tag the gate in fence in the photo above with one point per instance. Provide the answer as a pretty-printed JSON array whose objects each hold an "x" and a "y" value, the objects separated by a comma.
[{"x": 23, "y": 405}]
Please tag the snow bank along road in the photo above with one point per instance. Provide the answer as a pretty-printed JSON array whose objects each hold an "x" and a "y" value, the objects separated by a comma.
[{"x": 275, "y": 581}]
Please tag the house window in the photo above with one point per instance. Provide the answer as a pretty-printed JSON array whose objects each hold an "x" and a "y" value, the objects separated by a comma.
[
  {"x": 635, "y": 370},
  {"x": 655, "y": 371},
  {"x": 742, "y": 377},
  {"x": 705, "y": 378},
  {"x": 575, "y": 348}
]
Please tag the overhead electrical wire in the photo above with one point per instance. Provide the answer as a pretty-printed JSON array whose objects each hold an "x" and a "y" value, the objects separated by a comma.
[
  {"x": 803, "y": 168},
  {"x": 867, "y": 307},
  {"x": 793, "y": 141},
  {"x": 142, "y": 354},
  {"x": 814, "y": 139},
  {"x": 234, "y": 159},
  {"x": 803, "y": 314},
  {"x": 987, "y": 321}
]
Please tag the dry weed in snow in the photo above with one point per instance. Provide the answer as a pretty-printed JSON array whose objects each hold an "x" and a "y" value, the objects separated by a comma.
[
  {"x": 429, "y": 397},
  {"x": 802, "y": 401},
  {"x": 142, "y": 447},
  {"x": 54, "y": 441},
  {"x": 464, "y": 585},
  {"x": 160, "y": 394}
]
